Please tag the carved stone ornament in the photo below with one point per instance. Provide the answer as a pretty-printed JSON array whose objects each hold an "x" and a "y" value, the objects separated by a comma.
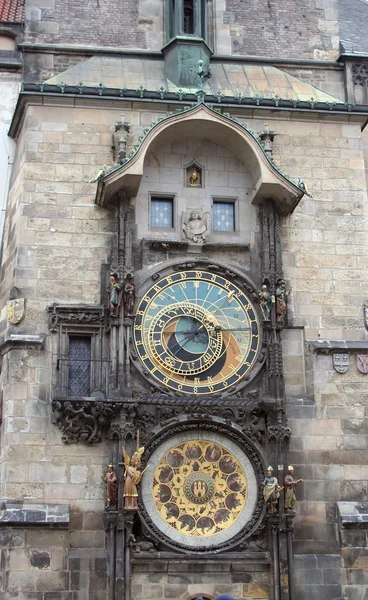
[
  {"x": 360, "y": 74},
  {"x": 83, "y": 421},
  {"x": 64, "y": 314},
  {"x": 279, "y": 433},
  {"x": 15, "y": 310},
  {"x": 340, "y": 362},
  {"x": 195, "y": 226},
  {"x": 362, "y": 363}
]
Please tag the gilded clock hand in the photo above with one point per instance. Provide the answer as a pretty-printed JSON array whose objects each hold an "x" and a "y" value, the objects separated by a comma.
[{"x": 219, "y": 328}]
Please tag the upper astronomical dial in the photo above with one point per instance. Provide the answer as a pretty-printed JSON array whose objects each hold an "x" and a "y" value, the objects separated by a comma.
[{"x": 196, "y": 332}]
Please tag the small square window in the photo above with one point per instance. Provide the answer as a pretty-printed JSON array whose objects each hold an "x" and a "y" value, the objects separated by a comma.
[
  {"x": 223, "y": 216},
  {"x": 162, "y": 213}
]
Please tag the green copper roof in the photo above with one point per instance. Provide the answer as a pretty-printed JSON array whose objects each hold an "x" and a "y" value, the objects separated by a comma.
[{"x": 228, "y": 79}]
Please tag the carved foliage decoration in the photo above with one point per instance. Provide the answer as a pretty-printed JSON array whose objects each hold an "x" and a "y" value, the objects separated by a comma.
[
  {"x": 83, "y": 421},
  {"x": 64, "y": 314}
]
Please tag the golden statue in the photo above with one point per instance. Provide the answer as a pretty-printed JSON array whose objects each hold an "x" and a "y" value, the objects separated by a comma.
[
  {"x": 194, "y": 178},
  {"x": 132, "y": 477}
]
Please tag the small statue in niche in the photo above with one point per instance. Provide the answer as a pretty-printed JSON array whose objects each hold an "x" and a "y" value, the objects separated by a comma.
[
  {"x": 281, "y": 300},
  {"x": 289, "y": 486},
  {"x": 271, "y": 490},
  {"x": 265, "y": 300},
  {"x": 114, "y": 291},
  {"x": 111, "y": 480},
  {"x": 132, "y": 476},
  {"x": 195, "y": 226},
  {"x": 195, "y": 178},
  {"x": 129, "y": 297},
  {"x": 120, "y": 137}
]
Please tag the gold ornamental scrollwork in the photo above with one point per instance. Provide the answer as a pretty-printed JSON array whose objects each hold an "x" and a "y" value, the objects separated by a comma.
[{"x": 199, "y": 488}]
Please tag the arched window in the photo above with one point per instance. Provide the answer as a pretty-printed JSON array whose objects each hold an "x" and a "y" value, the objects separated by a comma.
[
  {"x": 186, "y": 17},
  {"x": 7, "y": 40}
]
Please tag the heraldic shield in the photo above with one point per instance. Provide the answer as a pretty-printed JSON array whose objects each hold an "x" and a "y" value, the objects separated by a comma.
[
  {"x": 15, "y": 310},
  {"x": 362, "y": 363},
  {"x": 340, "y": 362}
]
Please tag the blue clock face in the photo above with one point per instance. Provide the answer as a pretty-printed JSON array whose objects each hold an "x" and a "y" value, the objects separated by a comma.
[{"x": 196, "y": 332}]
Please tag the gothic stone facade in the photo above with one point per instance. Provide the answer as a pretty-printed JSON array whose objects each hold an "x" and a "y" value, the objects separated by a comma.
[{"x": 63, "y": 237}]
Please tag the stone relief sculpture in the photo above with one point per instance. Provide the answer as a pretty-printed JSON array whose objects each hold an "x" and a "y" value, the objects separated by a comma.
[
  {"x": 114, "y": 291},
  {"x": 195, "y": 226},
  {"x": 132, "y": 476},
  {"x": 271, "y": 490},
  {"x": 289, "y": 485},
  {"x": 265, "y": 300},
  {"x": 281, "y": 300},
  {"x": 111, "y": 480}
]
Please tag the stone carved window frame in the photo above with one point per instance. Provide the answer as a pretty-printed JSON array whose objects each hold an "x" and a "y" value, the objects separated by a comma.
[{"x": 73, "y": 320}]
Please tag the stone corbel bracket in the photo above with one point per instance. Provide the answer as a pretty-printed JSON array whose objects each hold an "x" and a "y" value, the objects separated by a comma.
[
  {"x": 22, "y": 340},
  {"x": 83, "y": 420}
]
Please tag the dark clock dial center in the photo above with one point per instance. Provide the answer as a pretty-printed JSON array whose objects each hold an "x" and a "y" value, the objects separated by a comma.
[{"x": 191, "y": 335}]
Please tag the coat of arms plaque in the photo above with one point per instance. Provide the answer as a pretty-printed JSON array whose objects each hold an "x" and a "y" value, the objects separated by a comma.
[
  {"x": 15, "y": 310},
  {"x": 340, "y": 362},
  {"x": 362, "y": 363}
]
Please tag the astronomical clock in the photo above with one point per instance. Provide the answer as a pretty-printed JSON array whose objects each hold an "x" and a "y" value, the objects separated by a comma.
[{"x": 197, "y": 333}]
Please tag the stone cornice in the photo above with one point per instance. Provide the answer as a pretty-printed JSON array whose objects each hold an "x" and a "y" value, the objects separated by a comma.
[
  {"x": 39, "y": 93},
  {"x": 328, "y": 346}
]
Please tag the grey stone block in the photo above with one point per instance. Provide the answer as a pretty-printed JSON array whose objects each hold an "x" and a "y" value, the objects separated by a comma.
[
  {"x": 353, "y": 538},
  {"x": 354, "y": 490},
  {"x": 308, "y": 577},
  {"x": 305, "y": 561},
  {"x": 322, "y": 490},
  {"x": 332, "y": 561},
  {"x": 332, "y": 576},
  {"x": 317, "y": 592}
]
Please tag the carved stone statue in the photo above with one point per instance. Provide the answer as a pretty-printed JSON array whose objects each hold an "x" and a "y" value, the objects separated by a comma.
[
  {"x": 111, "y": 480},
  {"x": 132, "y": 477},
  {"x": 114, "y": 291},
  {"x": 195, "y": 226},
  {"x": 289, "y": 486},
  {"x": 122, "y": 129},
  {"x": 129, "y": 297},
  {"x": 265, "y": 301},
  {"x": 281, "y": 300},
  {"x": 271, "y": 490}
]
